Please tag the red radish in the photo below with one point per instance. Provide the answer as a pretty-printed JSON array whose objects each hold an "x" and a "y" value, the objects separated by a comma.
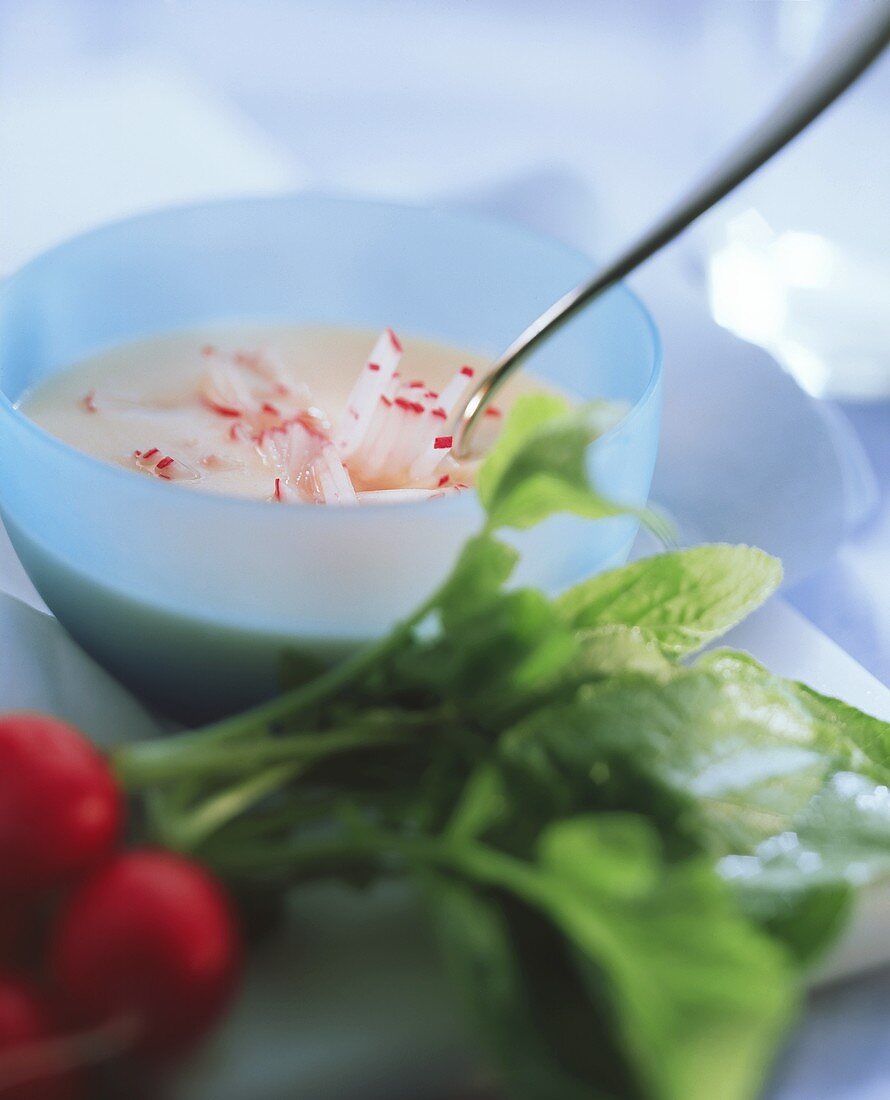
[
  {"x": 27, "y": 1071},
  {"x": 150, "y": 938},
  {"x": 60, "y": 807},
  {"x": 15, "y": 924}
]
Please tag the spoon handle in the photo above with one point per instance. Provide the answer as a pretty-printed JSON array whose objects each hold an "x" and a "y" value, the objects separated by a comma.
[{"x": 824, "y": 81}]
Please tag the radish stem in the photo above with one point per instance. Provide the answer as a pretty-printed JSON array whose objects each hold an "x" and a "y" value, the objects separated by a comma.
[
  {"x": 287, "y": 707},
  {"x": 191, "y": 829},
  {"x": 149, "y": 762}
]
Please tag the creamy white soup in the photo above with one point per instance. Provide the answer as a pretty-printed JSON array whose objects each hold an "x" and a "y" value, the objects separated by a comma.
[{"x": 280, "y": 413}]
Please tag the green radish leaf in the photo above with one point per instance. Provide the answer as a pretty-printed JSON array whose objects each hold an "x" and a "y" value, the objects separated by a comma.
[
  {"x": 483, "y": 804},
  {"x": 683, "y": 599},
  {"x": 700, "y": 1016},
  {"x": 539, "y": 464},
  {"x": 497, "y": 989},
  {"x": 683, "y": 1015},
  {"x": 862, "y": 740},
  {"x": 503, "y": 653},
  {"x": 616, "y": 649},
  {"x": 483, "y": 568},
  {"x": 858, "y": 740},
  {"x": 800, "y": 882}
]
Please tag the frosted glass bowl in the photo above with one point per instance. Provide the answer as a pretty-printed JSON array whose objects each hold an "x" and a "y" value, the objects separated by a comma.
[{"x": 191, "y": 598}]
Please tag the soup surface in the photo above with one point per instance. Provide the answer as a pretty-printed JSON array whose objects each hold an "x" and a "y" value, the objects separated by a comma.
[{"x": 278, "y": 413}]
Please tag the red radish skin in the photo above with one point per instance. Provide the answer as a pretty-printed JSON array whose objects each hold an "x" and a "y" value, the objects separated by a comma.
[
  {"x": 25, "y": 1023},
  {"x": 16, "y": 931},
  {"x": 150, "y": 937},
  {"x": 60, "y": 808}
]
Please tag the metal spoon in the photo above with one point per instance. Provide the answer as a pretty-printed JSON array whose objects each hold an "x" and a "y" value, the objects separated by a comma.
[{"x": 828, "y": 77}]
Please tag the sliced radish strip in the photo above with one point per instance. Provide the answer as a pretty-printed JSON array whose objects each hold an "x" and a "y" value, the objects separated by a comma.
[
  {"x": 395, "y": 496},
  {"x": 407, "y": 496},
  {"x": 408, "y": 439},
  {"x": 315, "y": 422},
  {"x": 426, "y": 466},
  {"x": 282, "y": 493},
  {"x": 326, "y": 483},
  {"x": 89, "y": 401},
  {"x": 412, "y": 438},
  {"x": 404, "y": 441},
  {"x": 341, "y": 486},
  {"x": 430, "y": 456},
  {"x": 265, "y": 363},
  {"x": 220, "y": 464},
  {"x": 380, "y": 463},
  {"x": 454, "y": 391},
  {"x": 292, "y": 451},
  {"x": 224, "y": 388},
  {"x": 154, "y": 462},
  {"x": 371, "y": 384},
  {"x": 374, "y": 445},
  {"x": 239, "y": 432}
]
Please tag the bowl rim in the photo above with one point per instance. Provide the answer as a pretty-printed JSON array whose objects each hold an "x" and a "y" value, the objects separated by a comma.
[{"x": 198, "y": 499}]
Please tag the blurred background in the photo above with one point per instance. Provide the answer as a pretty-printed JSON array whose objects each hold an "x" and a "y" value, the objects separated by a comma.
[
  {"x": 581, "y": 118},
  {"x": 598, "y": 111},
  {"x": 610, "y": 106}
]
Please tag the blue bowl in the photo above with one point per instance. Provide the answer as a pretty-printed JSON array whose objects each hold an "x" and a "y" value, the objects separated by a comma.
[{"x": 190, "y": 598}]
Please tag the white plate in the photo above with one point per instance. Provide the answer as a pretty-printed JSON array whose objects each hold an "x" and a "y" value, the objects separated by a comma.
[{"x": 348, "y": 1001}]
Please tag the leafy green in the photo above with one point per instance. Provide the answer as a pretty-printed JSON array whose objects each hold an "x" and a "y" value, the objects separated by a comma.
[
  {"x": 540, "y": 464},
  {"x": 494, "y": 976},
  {"x": 695, "y": 1016},
  {"x": 862, "y": 741},
  {"x": 483, "y": 568},
  {"x": 682, "y": 599},
  {"x": 504, "y": 653},
  {"x": 609, "y": 650},
  {"x": 799, "y": 883},
  {"x": 700, "y": 1016},
  {"x": 749, "y": 758},
  {"x": 628, "y": 858}
]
